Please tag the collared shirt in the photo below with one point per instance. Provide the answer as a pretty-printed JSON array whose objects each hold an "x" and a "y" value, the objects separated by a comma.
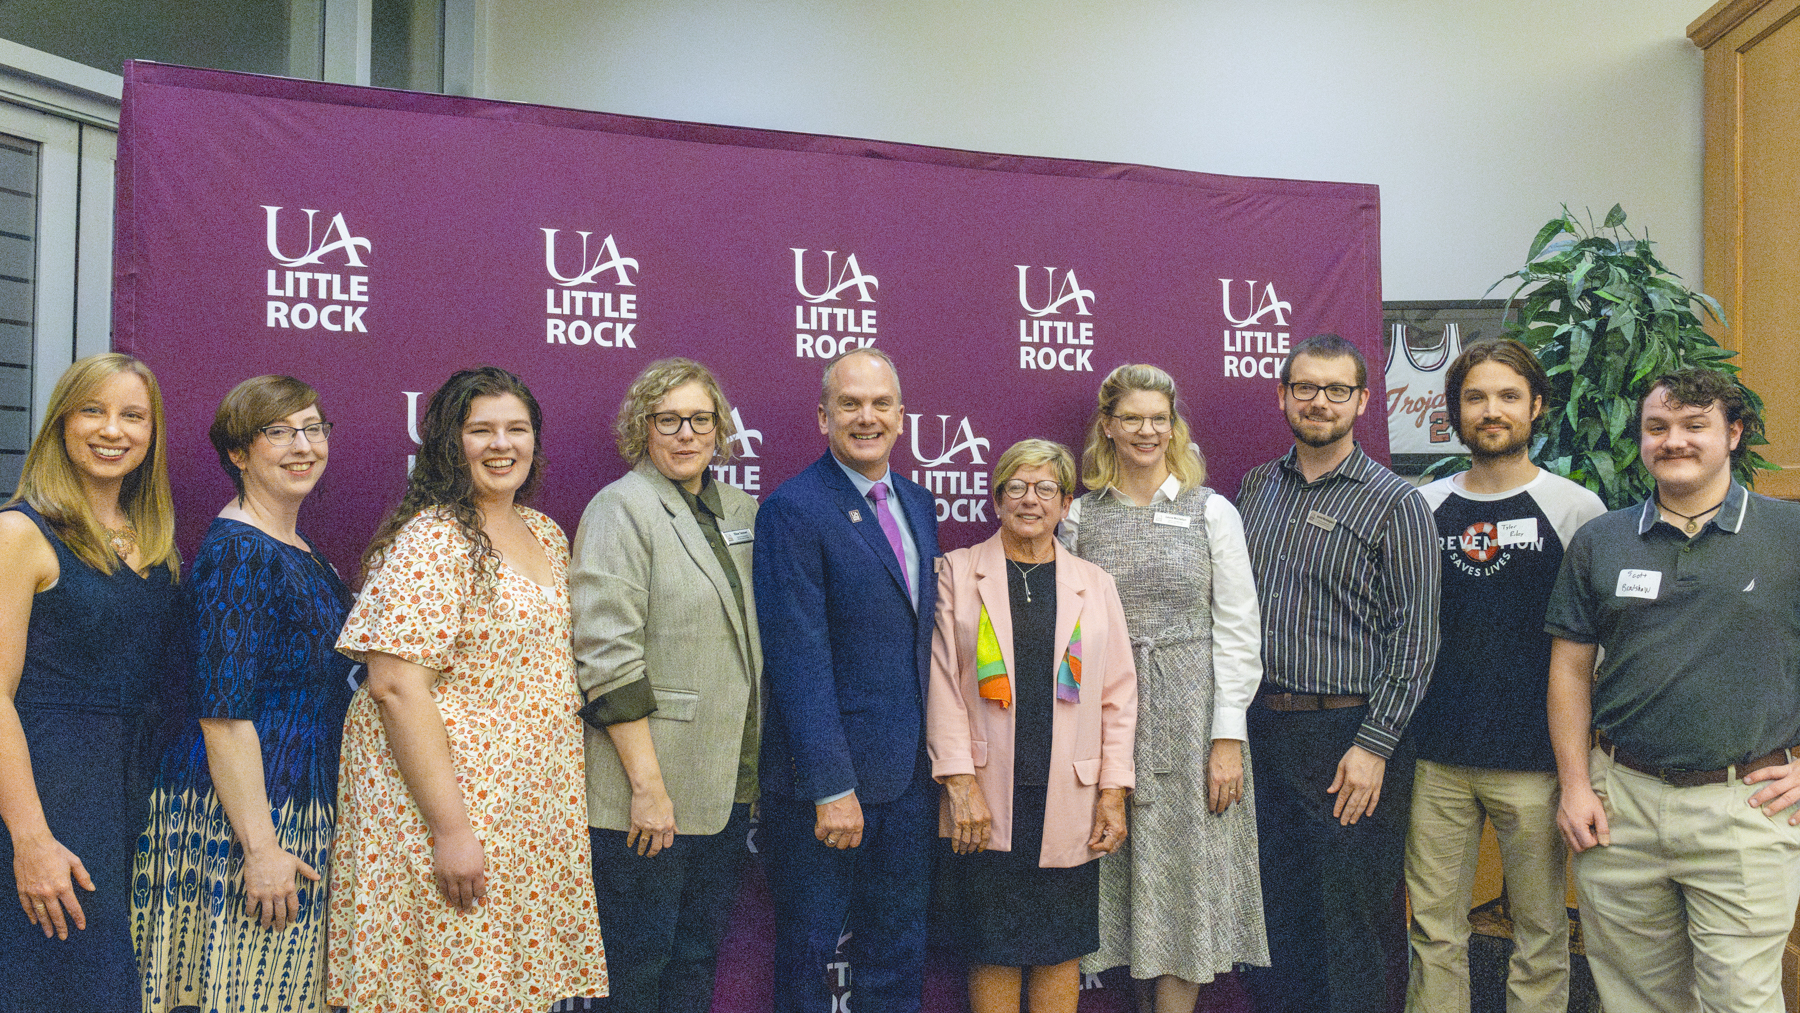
[
  {"x": 1348, "y": 576},
  {"x": 1702, "y": 634},
  {"x": 863, "y": 485},
  {"x": 707, "y": 510}
]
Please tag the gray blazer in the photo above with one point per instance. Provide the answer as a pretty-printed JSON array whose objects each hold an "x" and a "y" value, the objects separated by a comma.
[{"x": 649, "y": 598}]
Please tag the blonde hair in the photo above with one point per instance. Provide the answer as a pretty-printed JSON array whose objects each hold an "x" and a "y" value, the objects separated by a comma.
[
  {"x": 53, "y": 487},
  {"x": 1100, "y": 459},
  {"x": 632, "y": 428},
  {"x": 1035, "y": 454}
]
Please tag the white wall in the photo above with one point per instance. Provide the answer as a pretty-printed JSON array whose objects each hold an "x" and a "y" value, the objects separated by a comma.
[{"x": 1477, "y": 119}]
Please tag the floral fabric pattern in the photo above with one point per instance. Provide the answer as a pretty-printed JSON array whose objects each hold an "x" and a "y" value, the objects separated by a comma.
[{"x": 508, "y": 700}]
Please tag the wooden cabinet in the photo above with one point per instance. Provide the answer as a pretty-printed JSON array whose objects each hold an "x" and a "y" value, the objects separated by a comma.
[{"x": 1752, "y": 212}]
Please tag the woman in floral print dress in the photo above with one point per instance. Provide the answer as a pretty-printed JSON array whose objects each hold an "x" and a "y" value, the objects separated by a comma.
[{"x": 461, "y": 877}]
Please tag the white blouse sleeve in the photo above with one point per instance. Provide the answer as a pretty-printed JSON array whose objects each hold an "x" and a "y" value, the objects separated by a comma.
[{"x": 1236, "y": 621}]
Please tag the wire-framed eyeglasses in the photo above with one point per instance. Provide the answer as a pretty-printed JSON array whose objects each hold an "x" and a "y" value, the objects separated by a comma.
[{"x": 283, "y": 436}]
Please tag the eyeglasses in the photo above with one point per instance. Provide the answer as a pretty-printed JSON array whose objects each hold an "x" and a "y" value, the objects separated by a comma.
[
  {"x": 669, "y": 423},
  {"x": 1337, "y": 393},
  {"x": 283, "y": 436},
  {"x": 1135, "y": 423},
  {"x": 1046, "y": 490}
]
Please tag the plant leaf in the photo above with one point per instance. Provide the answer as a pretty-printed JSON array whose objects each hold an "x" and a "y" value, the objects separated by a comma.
[{"x": 1614, "y": 218}]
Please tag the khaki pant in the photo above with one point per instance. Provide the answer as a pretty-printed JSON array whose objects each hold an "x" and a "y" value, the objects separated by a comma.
[
  {"x": 1449, "y": 806},
  {"x": 1689, "y": 906}
]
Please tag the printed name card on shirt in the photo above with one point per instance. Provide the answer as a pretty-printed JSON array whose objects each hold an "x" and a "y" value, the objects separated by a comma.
[
  {"x": 1639, "y": 584},
  {"x": 1324, "y": 522},
  {"x": 1172, "y": 520},
  {"x": 1520, "y": 532},
  {"x": 739, "y": 537}
]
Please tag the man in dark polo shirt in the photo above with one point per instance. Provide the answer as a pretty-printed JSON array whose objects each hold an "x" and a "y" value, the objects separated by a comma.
[
  {"x": 1345, "y": 557},
  {"x": 1687, "y": 853}
]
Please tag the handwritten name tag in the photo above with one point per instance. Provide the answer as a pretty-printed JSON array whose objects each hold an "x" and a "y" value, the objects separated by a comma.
[
  {"x": 1324, "y": 522},
  {"x": 1172, "y": 520},
  {"x": 1638, "y": 584},
  {"x": 739, "y": 537},
  {"x": 1520, "y": 532}
]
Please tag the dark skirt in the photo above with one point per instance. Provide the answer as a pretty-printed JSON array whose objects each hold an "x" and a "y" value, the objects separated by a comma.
[{"x": 1001, "y": 908}]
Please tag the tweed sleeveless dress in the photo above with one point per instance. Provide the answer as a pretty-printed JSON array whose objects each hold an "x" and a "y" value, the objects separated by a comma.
[{"x": 1182, "y": 896}]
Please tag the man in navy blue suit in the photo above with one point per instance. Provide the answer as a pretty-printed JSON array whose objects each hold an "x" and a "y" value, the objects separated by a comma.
[{"x": 845, "y": 590}]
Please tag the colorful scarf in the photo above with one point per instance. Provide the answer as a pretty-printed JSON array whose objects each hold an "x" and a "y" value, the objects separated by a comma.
[
  {"x": 990, "y": 666},
  {"x": 1068, "y": 676}
]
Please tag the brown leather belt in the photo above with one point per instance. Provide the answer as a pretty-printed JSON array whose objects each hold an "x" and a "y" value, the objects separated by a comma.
[
  {"x": 1309, "y": 701},
  {"x": 1677, "y": 777}
]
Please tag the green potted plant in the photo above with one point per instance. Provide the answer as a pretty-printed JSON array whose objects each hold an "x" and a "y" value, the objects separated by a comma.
[{"x": 1606, "y": 318}]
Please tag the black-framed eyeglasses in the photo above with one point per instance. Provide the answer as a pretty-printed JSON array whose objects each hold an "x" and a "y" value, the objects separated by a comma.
[
  {"x": 1337, "y": 393},
  {"x": 669, "y": 423},
  {"x": 1136, "y": 423},
  {"x": 283, "y": 436},
  {"x": 1046, "y": 489}
]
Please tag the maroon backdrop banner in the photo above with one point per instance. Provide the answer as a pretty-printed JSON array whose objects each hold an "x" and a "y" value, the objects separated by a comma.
[{"x": 370, "y": 242}]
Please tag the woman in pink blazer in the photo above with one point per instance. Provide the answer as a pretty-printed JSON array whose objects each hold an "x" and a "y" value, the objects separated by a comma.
[{"x": 1029, "y": 721}]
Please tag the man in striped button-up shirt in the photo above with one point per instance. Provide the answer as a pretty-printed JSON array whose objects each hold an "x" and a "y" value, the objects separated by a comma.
[{"x": 1346, "y": 567}]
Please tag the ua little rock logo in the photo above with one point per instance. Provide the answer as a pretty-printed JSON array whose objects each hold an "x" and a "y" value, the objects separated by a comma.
[
  {"x": 333, "y": 299},
  {"x": 837, "y": 277},
  {"x": 826, "y": 332},
  {"x": 335, "y": 236},
  {"x": 606, "y": 258},
  {"x": 1036, "y": 331},
  {"x": 1258, "y": 341},
  {"x": 591, "y": 318},
  {"x": 1054, "y": 297}
]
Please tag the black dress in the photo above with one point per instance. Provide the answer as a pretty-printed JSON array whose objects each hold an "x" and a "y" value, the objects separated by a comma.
[
  {"x": 1001, "y": 907},
  {"x": 88, "y": 701}
]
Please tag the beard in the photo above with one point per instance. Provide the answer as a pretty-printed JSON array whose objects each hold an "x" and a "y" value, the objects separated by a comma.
[
  {"x": 1482, "y": 449},
  {"x": 1333, "y": 432}
]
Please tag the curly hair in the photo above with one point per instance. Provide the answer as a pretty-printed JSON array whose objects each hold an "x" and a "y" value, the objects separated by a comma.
[
  {"x": 632, "y": 428},
  {"x": 1694, "y": 387},
  {"x": 441, "y": 479},
  {"x": 1100, "y": 459}
]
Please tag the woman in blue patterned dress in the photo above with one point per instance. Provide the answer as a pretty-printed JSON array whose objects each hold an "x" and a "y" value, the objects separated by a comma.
[
  {"x": 87, "y": 604},
  {"x": 230, "y": 902}
]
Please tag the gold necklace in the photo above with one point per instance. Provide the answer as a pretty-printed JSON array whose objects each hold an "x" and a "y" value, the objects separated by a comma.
[{"x": 123, "y": 540}]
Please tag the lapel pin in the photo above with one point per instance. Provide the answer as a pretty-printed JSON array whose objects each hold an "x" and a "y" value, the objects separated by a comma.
[{"x": 856, "y": 516}]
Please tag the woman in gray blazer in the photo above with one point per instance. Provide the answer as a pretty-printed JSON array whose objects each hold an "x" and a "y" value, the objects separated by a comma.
[{"x": 667, "y": 657}]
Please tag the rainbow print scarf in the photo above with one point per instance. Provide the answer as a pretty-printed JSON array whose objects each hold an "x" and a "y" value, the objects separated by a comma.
[{"x": 990, "y": 666}]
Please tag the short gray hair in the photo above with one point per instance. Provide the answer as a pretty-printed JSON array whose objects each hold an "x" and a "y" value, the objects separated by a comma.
[{"x": 825, "y": 377}]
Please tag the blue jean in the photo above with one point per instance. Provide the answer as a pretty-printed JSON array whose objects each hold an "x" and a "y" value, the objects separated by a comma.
[{"x": 662, "y": 918}]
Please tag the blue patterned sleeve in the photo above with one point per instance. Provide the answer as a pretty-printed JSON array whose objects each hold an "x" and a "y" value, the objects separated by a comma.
[{"x": 236, "y": 609}]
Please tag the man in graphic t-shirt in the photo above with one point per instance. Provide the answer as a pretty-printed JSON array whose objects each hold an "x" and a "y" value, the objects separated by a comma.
[{"x": 1483, "y": 738}]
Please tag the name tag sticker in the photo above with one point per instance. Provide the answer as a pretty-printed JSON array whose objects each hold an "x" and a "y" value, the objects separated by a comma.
[
  {"x": 1172, "y": 520},
  {"x": 739, "y": 537},
  {"x": 1324, "y": 522},
  {"x": 1638, "y": 584},
  {"x": 1520, "y": 532}
]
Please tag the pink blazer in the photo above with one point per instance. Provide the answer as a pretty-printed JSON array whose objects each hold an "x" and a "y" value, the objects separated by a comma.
[{"x": 1090, "y": 741}]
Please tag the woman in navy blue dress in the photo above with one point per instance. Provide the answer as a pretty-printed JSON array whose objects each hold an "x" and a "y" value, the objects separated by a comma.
[
  {"x": 87, "y": 602},
  {"x": 230, "y": 913}
]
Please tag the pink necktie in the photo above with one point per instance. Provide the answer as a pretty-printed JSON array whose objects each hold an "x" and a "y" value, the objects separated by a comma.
[{"x": 891, "y": 528}]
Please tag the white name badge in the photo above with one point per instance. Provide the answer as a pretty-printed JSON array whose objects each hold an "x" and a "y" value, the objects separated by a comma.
[
  {"x": 1324, "y": 522},
  {"x": 739, "y": 537},
  {"x": 1172, "y": 520},
  {"x": 1638, "y": 584},
  {"x": 1520, "y": 532}
]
